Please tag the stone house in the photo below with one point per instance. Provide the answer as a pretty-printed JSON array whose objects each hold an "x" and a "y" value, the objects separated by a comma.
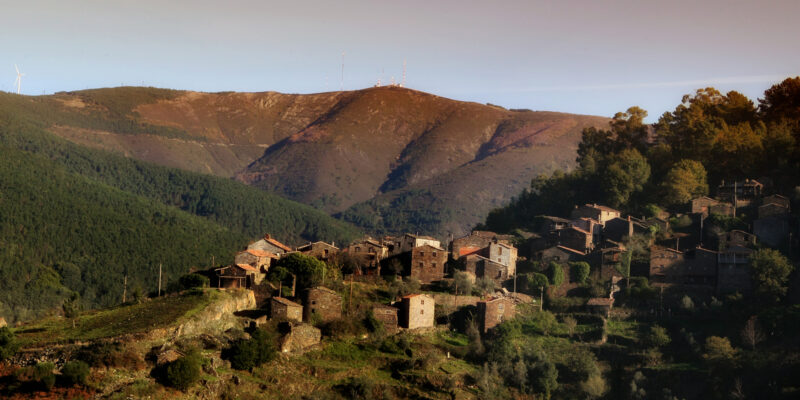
[
  {"x": 503, "y": 254},
  {"x": 238, "y": 276},
  {"x": 270, "y": 245},
  {"x": 701, "y": 205},
  {"x": 733, "y": 270},
  {"x": 772, "y": 210},
  {"x": 559, "y": 254},
  {"x": 408, "y": 242},
  {"x": 665, "y": 264},
  {"x": 321, "y": 250},
  {"x": 773, "y": 231},
  {"x": 596, "y": 212},
  {"x": 322, "y": 303},
  {"x": 300, "y": 338},
  {"x": 387, "y": 315},
  {"x": 427, "y": 263},
  {"x": 479, "y": 267},
  {"x": 777, "y": 199},
  {"x": 258, "y": 259},
  {"x": 617, "y": 229},
  {"x": 736, "y": 238},
  {"x": 493, "y": 311},
  {"x": 281, "y": 308},
  {"x": 600, "y": 305},
  {"x": 368, "y": 251},
  {"x": 474, "y": 242},
  {"x": 548, "y": 223},
  {"x": 590, "y": 225},
  {"x": 741, "y": 193},
  {"x": 575, "y": 238},
  {"x": 417, "y": 311}
]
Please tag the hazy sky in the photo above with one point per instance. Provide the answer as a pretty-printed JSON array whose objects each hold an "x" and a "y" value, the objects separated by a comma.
[{"x": 591, "y": 57}]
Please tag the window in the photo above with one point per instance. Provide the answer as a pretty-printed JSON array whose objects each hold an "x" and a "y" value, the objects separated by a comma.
[
  {"x": 422, "y": 302},
  {"x": 422, "y": 254},
  {"x": 421, "y": 264},
  {"x": 325, "y": 252},
  {"x": 313, "y": 302},
  {"x": 499, "y": 250},
  {"x": 358, "y": 249},
  {"x": 433, "y": 265},
  {"x": 434, "y": 254},
  {"x": 421, "y": 312}
]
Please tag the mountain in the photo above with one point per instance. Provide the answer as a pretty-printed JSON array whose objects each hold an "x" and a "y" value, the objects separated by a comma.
[
  {"x": 78, "y": 220},
  {"x": 388, "y": 159}
]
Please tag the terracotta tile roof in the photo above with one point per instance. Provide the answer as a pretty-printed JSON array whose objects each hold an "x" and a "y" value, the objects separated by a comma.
[
  {"x": 603, "y": 208},
  {"x": 433, "y": 247},
  {"x": 565, "y": 248},
  {"x": 421, "y": 237},
  {"x": 286, "y": 302},
  {"x": 277, "y": 244},
  {"x": 247, "y": 267},
  {"x": 467, "y": 250}
]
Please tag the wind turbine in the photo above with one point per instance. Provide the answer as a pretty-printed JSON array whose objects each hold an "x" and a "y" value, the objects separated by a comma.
[{"x": 18, "y": 82}]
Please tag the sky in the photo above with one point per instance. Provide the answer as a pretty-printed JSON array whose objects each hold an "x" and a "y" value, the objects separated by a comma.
[{"x": 588, "y": 57}]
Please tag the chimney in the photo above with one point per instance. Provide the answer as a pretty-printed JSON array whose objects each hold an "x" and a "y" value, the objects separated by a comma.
[{"x": 266, "y": 236}]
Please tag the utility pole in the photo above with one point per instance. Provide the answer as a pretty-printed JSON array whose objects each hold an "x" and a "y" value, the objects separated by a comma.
[
  {"x": 159, "y": 279},
  {"x": 541, "y": 298},
  {"x": 350, "y": 299},
  {"x": 124, "y": 288}
]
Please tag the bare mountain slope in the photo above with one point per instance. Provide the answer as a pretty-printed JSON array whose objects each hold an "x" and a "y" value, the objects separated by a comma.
[{"x": 373, "y": 155}]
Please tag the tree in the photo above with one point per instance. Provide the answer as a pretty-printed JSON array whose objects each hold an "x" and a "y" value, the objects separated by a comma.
[
  {"x": 770, "y": 272},
  {"x": 556, "y": 274},
  {"x": 719, "y": 351},
  {"x": 580, "y": 271},
  {"x": 782, "y": 101},
  {"x": 537, "y": 281},
  {"x": 594, "y": 386},
  {"x": 684, "y": 182},
  {"x": 75, "y": 372},
  {"x": 394, "y": 266},
  {"x": 520, "y": 374},
  {"x": 570, "y": 323},
  {"x": 752, "y": 333},
  {"x": 184, "y": 372},
  {"x": 626, "y": 175},
  {"x": 308, "y": 270},
  {"x": 8, "y": 343},
  {"x": 485, "y": 285},
  {"x": 546, "y": 378},
  {"x": 191, "y": 281},
  {"x": 657, "y": 337},
  {"x": 545, "y": 321},
  {"x": 72, "y": 307},
  {"x": 461, "y": 283},
  {"x": 247, "y": 354}
]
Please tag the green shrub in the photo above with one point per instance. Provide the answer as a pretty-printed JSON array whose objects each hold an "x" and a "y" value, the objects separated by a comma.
[
  {"x": 556, "y": 274},
  {"x": 75, "y": 372},
  {"x": 184, "y": 372},
  {"x": 8, "y": 343},
  {"x": 41, "y": 374},
  {"x": 247, "y": 354},
  {"x": 537, "y": 281},
  {"x": 580, "y": 271}
]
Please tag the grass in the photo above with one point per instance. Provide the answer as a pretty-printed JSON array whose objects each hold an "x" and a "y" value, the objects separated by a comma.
[
  {"x": 117, "y": 321},
  {"x": 624, "y": 329}
]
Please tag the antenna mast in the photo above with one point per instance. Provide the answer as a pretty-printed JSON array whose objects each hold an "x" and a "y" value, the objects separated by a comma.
[
  {"x": 403, "y": 84},
  {"x": 341, "y": 86}
]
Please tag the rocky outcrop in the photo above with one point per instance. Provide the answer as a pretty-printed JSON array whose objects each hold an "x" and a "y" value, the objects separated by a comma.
[
  {"x": 218, "y": 316},
  {"x": 300, "y": 338}
]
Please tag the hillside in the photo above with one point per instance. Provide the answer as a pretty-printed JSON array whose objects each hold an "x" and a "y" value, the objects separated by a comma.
[
  {"x": 363, "y": 153},
  {"x": 75, "y": 219}
]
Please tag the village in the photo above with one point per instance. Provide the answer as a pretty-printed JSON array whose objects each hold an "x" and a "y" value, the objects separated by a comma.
[{"x": 688, "y": 254}]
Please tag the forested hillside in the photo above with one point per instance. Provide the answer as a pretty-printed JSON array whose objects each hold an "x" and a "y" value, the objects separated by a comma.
[
  {"x": 709, "y": 138},
  {"x": 77, "y": 220}
]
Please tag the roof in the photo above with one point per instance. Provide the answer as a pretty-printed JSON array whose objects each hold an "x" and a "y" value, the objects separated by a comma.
[
  {"x": 565, "y": 248},
  {"x": 247, "y": 267},
  {"x": 603, "y": 208},
  {"x": 422, "y": 237},
  {"x": 554, "y": 219},
  {"x": 323, "y": 289},
  {"x": 310, "y": 245},
  {"x": 580, "y": 230},
  {"x": 705, "y": 198},
  {"x": 286, "y": 302},
  {"x": 385, "y": 307},
  {"x": 415, "y": 295},
  {"x": 670, "y": 249},
  {"x": 277, "y": 244},
  {"x": 259, "y": 253},
  {"x": 488, "y": 234},
  {"x": 600, "y": 301},
  {"x": 467, "y": 250},
  {"x": 428, "y": 245}
]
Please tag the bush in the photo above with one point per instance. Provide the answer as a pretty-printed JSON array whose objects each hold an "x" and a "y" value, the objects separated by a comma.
[
  {"x": 580, "y": 271},
  {"x": 250, "y": 353},
  {"x": 536, "y": 281},
  {"x": 192, "y": 281},
  {"x": 343, "y": 327},
  {"x": 8, "y": 343},
  {"x": 41, "y": 376},
  {"x": 184, "y": 372},
  {"x": 556, "y": 274},
  {"x": 75, "y": 372}
]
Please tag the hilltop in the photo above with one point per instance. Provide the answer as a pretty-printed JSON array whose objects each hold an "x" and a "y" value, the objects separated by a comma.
[{"x": 373, "y": 156}]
